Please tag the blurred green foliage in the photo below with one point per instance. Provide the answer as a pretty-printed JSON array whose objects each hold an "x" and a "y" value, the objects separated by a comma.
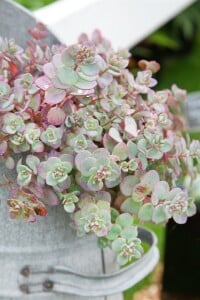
[
  {"x": 178, "y": 35},
  {"x": 34, "y": 4},
  {"x": 183, "y": 69}
]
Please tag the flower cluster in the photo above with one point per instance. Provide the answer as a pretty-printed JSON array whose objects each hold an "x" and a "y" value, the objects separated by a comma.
[{"x": 82, "y": 131}]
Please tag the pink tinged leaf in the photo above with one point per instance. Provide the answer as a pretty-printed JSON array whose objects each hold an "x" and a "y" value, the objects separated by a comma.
[
  {"x": 43, "y": 168},
  {"x": 127, "y": 185},
  {"x": 132, "y": 149},
  {"x": 57, "y": 60},
  {"x": 130, "y": 206},
  {"x": 78, "y": 92},
  {"x": 67, "y": 75},
  {"x": 38, "y": 32},
  {"x": 150, "y": 178},
  {"x": 160, "y": 191},
  {"x": 83, "y": 38},
  {"x": 159, "y": 215},
  {"x": 10, "y": 163},
  {"x": 33, "y": 162},
  {"x": 82, "y": 182},
  {"x": 35, "y": 102},
  {"x": 49, "y": 70},
  {"x": 86, "y": 77},
  {"x": 154, "y": 154},
  {"x": 114, "y": 134},
  {"x": 89, "y": 69},
  {"x": 85, "y": 85},
  {"x": 67, "y": 158},
  {"x": 146, "y": 212},
  {"x": 38, "y": 147},
  {"x": 87, "y": 166},
  {"x": 130, "y": 126},
  {"x": 50, "y": 197},
  {"x": 58, "y": 84},
  {"x": 54, "y": 96},
  {"x": 3, "y": 147},
  {"x": 143, "y": 161},
  {"x": 103, "y": 195},
  {"x": 153, "y": 82},
  {"x": 180, "y": 218},
  {"x": 110, "y": 184},
  {"x": 121, "y": 151},
  {"x": 179, "y": 93},
  {"x": 152, "y": 65},
  {"x": 56, "y": 116},
  {"x": 43, "y": 82},
  {"x": 101, "y": 153},
  {"x": 80, "y": 157},
  {"x": 63, "y": 186},
  {"x": 105, "y": 80},
  {"x": 173, "y": 193},
  {"x": 101, "y": 64},
  {"x": 108, "y": 142}
]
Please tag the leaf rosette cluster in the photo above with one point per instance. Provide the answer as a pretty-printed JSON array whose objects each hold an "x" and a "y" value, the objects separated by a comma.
[{"x": 95, "y": 138}]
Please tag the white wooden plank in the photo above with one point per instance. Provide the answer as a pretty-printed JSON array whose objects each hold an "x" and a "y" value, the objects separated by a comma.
[{"x": 124, "y": 22}]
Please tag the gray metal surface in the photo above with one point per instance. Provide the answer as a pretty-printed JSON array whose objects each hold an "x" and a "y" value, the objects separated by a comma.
[
  {"x": 59, "y": 279},
  {"x": 50, "y": 241},
  {"x": 15, "y": 21},
  {"x": 192, "y": 111},
  {"x": 54, "y": 254}
]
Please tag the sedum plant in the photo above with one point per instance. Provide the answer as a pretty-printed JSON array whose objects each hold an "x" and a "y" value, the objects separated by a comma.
[{"x": 82, "y": 131}]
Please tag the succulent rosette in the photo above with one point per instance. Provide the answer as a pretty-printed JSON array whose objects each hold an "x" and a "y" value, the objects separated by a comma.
[
  {"x": 96, "y": 169},
  {"x": 6, "y": 98},
  {"x": 55, "y": 170},
  {"x": 82, "y": 131}
]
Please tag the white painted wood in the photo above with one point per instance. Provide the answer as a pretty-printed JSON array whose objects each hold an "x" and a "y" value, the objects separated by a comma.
[{"x": 124, "y": 22}]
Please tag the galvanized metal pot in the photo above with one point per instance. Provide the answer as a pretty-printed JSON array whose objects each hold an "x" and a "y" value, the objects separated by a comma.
[{"x": 46, "y": 260}]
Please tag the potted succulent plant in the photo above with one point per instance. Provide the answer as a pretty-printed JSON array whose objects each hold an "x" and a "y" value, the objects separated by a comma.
[{"x": 80, "y": 132}]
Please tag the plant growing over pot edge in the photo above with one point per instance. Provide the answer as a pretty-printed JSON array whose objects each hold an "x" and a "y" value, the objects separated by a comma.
[{"x": 81, "y": 131}]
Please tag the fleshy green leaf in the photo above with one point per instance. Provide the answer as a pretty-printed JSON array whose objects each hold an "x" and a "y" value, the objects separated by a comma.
[
  {"x": 132, "y": 149},
  {"x": 54, "y": 96},
  {"x": 131, "y": 206},
  {"x": 124, "y": 220},
  {"x": 114, "y": 134},
  {"x": 67, "y": 76},
  {"x": 114, "y": 232},
  {"x": 127, "y": 185},
  {"x": 121, "y": 151},
  {"x": 159, "y": 214},
  {"x": 130, "y": 126},
  {"x": 129, "y": 232},
  {"x": 145, "y": 212},
  {"x": 118, "y": 244}
]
